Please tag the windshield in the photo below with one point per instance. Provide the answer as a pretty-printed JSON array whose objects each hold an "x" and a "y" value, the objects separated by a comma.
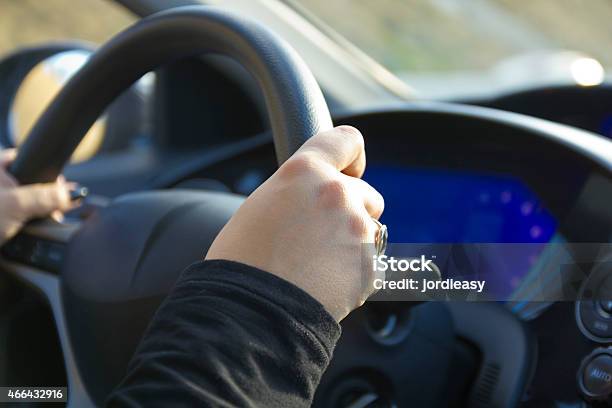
[{"x": 457, "y": 48}]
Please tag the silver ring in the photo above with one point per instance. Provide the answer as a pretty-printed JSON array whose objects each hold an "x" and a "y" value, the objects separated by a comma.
[{"x": 380, "y": 240}]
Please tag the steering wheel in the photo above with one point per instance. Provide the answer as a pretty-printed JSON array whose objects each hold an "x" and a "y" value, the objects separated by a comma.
[{"x": 123, "y": 261}]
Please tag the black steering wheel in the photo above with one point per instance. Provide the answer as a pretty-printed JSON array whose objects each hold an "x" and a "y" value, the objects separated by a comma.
[{"x": 123, "y": 260}]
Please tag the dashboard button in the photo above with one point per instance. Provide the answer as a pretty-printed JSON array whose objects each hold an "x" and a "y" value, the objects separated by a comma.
[
  {"x": 606, "y": 306},
  {"x": 593, "y": 322},
  {"x": 594, "y": 305},
  {"x": 598, "y": 375},
  {"x": 595, "y": 375}
]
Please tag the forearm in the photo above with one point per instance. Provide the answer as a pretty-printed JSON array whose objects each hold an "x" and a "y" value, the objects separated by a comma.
[{"x": 229, "y": 334}]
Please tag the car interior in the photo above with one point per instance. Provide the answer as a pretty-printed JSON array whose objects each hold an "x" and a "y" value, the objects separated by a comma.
[{"x": 172, "y": 123}]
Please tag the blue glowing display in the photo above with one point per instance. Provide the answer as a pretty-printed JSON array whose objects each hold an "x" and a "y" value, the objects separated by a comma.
[
  {"x": 450, "y": 206},
  {"x": 427, "y": 206}
]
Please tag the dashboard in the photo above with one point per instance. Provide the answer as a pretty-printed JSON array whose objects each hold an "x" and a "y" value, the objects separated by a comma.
[
  {"x": 454, "y": 180},
  {"x": 588, "y": 108}
]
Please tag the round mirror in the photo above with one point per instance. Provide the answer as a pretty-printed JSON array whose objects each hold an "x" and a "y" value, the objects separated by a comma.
[{"x": 38, "y": 89}]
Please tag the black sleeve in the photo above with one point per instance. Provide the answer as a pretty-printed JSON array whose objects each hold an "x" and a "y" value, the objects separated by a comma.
[{"x": 230, "y": 335}]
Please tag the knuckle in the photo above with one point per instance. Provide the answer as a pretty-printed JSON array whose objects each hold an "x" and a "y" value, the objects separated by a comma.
[
  {"x": 358, "y": 224},
  {"x": 333, "y": 194},
  {"x": 299, "y": 164},
  {"x": 37, "y": 196}
]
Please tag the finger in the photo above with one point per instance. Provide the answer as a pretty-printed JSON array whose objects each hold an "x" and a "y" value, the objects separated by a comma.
[
  {"x": 342, "y": 147},
  {"x": 373, "y": 201},
  {"x": 40, "y": 200},
  {"x": 7, "y": 156}
]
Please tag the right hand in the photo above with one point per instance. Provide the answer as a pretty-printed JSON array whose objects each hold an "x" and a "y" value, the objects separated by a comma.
[{"x": 308, "y": 222}]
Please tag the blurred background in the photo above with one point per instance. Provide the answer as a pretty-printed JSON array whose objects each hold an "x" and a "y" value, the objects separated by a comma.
[
  {"x": 31, "y": 22},
  {"x": 441, "y": 48}
]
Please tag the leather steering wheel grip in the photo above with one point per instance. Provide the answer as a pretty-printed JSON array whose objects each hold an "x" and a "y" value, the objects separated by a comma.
[{"x": 297, "y": 109}]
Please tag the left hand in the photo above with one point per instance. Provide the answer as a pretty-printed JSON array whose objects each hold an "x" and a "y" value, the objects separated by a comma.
[{"x": 18, "y": 204}]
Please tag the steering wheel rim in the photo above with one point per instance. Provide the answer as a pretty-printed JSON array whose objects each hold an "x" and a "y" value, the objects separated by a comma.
[{"x": 295, "y": 103}]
